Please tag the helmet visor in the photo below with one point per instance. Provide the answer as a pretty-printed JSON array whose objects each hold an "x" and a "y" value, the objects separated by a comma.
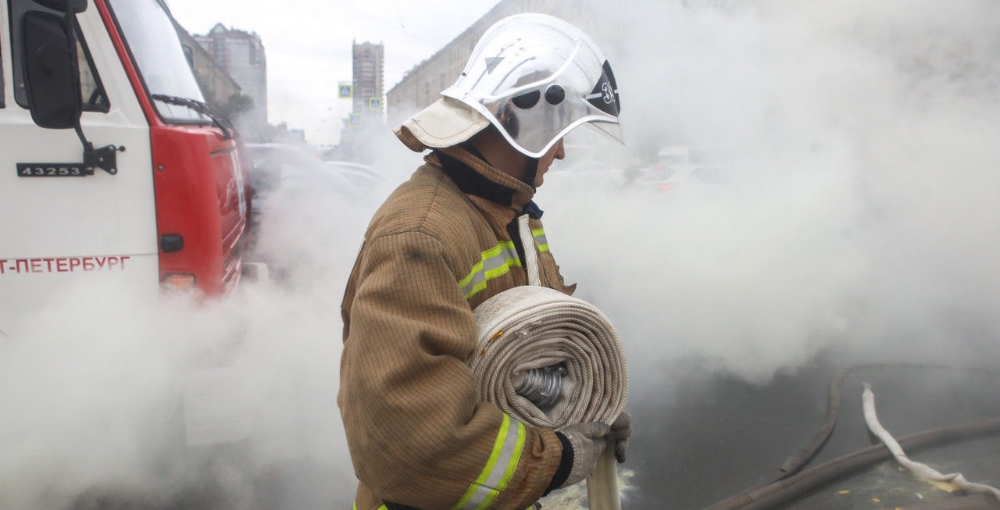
[{"x": 612, "y": 129}]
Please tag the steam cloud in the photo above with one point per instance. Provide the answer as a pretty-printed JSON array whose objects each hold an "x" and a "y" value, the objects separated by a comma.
[
  {"x": 855, "y": 205},
  {"x": 857, "y": 214}
]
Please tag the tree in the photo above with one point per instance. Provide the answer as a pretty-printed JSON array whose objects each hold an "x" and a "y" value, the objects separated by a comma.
[{"x": 235, "y": 105}]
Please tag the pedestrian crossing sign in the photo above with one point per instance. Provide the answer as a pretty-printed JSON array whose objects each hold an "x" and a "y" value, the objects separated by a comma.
[
  {"x": 355, "y": 120},
  {"x": 345, "y": 90},
  {"x": 375, "y": 103}
]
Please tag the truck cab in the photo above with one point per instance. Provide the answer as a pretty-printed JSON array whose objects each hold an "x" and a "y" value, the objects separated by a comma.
[{"x": 112, "y": 167}]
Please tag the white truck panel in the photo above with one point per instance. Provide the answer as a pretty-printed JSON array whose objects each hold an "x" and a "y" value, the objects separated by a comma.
[{"x": 54, "y": 222}]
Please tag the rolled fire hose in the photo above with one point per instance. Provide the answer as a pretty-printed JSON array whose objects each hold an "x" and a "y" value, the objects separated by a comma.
[{"x": 552, "y": 360}]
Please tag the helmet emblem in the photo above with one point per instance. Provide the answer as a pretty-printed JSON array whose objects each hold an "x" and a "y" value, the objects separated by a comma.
[
  {"x": 492, "y": 63},
  {"x": 605, "y": 94},
  {"x": 608, "y": 93}
]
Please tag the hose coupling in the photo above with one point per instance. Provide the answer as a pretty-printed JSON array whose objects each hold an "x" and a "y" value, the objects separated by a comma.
[{"x": 542, "y": 386}]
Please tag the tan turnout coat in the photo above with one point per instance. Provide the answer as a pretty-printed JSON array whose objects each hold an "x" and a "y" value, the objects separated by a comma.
[{"x": 417, "y": 434}]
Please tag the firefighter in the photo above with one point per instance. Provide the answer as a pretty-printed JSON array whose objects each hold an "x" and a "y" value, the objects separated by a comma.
[{"x": 441, "y": 244}]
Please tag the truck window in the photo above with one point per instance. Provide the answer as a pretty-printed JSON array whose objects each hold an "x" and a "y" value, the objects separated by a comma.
[
  {"x": 153, "y": 42},
  {"x": 91, "y": 89}
]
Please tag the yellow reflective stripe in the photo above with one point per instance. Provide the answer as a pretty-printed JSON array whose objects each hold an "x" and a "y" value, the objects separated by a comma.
[
  {"x": 381, "y": 507},
  {"x": 540, "y": 239},
  {"x": 494, "y": 263},
  {"x": 499, "y": 467}
]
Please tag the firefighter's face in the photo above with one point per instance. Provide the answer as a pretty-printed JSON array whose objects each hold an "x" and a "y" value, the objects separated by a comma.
[{"x": 556, "y": 152}]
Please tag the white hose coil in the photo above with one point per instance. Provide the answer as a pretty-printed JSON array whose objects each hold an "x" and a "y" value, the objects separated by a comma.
[{"x": 534, "y": 327}]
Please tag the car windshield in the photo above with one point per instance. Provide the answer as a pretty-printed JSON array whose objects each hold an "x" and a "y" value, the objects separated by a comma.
[{"x": 158, "y": 54}]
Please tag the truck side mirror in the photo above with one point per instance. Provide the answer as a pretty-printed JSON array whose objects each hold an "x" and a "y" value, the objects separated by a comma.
[{"x": 52, "y": 79}]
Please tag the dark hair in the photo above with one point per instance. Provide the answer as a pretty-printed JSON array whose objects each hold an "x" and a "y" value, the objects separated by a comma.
[{"x": 508, "y": 119}]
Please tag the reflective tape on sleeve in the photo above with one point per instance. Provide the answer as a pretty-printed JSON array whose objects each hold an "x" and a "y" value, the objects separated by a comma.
[
  {"x": 540, "y": 239},
  {"x": 499, "y": 468},
  {"x": 495, "y": 263}
]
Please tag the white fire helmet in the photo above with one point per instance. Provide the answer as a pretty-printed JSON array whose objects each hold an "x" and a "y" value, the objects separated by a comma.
[{"x": 535, "y": 77}]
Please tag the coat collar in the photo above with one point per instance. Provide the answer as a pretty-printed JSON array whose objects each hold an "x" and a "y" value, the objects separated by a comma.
[{"x": 483, "y": 180}]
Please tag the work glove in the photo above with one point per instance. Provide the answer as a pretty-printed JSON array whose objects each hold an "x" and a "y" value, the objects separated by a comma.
[
  {"x": 587, "y": 441},
  {"x": 621, "y": 429}
]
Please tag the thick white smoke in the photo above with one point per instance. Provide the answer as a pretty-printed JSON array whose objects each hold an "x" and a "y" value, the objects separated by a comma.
[
  {"x": 857, "y": 213},
  {"x": 859, "y": 186},
  {"x": 94, "y": 386}
]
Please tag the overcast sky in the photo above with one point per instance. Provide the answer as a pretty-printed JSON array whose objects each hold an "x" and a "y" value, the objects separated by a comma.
[{"x": 308, "y": 44}]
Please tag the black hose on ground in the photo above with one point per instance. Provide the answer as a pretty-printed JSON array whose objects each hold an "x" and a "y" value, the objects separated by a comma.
[{"x": 804, "y": 455}]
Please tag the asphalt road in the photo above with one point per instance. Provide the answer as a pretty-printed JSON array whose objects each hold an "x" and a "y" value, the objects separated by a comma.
[{"x": 716, "y": 436}]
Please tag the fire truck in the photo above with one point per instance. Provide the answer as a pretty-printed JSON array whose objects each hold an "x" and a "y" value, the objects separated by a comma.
[
  {"x": 111, "y": 163},
  {"x": 113, "y": 170}
]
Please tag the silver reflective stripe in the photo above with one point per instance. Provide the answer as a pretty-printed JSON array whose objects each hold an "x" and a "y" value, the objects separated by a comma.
[
  {"x": 495, "y": 263},
  {"x": 540, "y": 239},
  {"x": 499, "y": 467},
  {"x": 510, "y": 454},
  {"x": 479, "y": 499}
]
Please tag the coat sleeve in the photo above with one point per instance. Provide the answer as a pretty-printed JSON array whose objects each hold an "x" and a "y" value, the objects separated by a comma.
[{"x": 417, "y": 434}]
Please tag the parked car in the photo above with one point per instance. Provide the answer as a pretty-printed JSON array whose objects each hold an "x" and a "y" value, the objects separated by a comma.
[
  {"x": 586, "y": 174},
  {"x": 274, "y": 162},
  {"x": 678, "y": 166},
  {"x": 286, "y": 176},
  {"x": 364, "y": 177}
]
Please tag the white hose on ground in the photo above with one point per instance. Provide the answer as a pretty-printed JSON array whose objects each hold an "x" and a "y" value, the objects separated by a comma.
[
  {"x": 920, "y": 470},
  {"x": 534, "y": 327}
]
